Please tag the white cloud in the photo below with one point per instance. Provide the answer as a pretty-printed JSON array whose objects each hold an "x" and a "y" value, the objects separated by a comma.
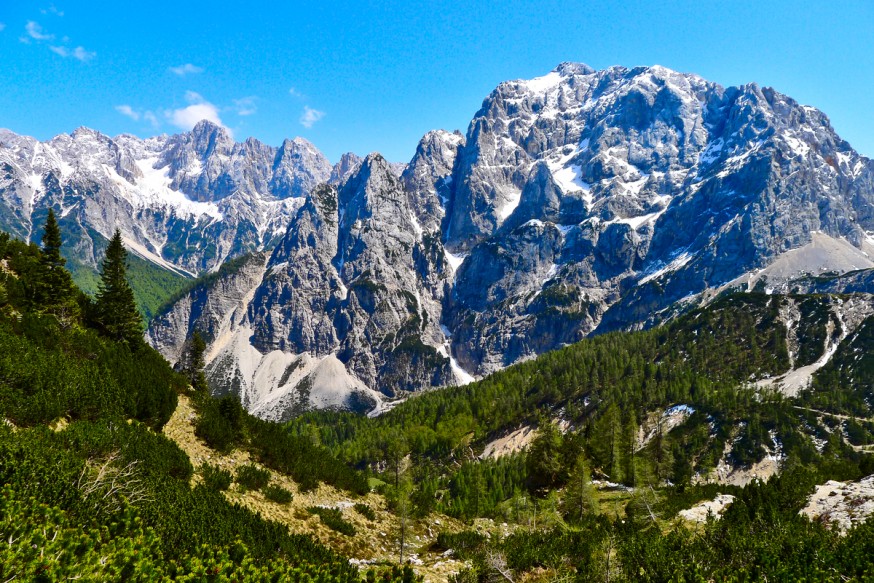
[
  {"x": 184, "y": 118},
  {"x": 128, "y": 111},
  {"x": 152, "y": 119},
  {"x": 52, "y": 9},
  {"x": 246, "y": 105},
  {"x": 295, "y": 93},
  {"x": 83, "y": 55},
  {"x": 310, "y": 116},
  {"x": 78, "y": 53},
  {"x": 186, "y": 69},
  {"x": 36, "y": 32},
  {"x": 187, "y": 117},
  {"x": 194, "y": 97}
]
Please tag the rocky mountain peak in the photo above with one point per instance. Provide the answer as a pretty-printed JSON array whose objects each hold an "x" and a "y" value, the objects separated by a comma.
[
  {"x": 298, "y": 167},
  {"x": 188, "y": 201},
  {"x": 85, "y": 133},
  {"x": 370, "y": 185},
  {"x": 207, "y": 138},
  {"x": 428, "y": 177},
  {"x": 569, "y": 68},
  {"x": 577, "y": 202},
  {"x": 349, "y": 163}
]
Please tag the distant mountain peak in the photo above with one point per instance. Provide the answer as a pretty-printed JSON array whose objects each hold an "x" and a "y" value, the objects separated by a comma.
[{"x": 577, "y": 202}]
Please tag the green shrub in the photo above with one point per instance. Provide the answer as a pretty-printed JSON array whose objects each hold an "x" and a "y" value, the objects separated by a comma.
[
  {"x": 307, "y": 464},
  {"x": 333, "y": 519},
  {"x": 220, "y": 423},
  {"x": 278, "y": 494},
  {"x": 251, "y": 477},
  {"x": 465, "y": 543},
  {"x": 216, "y": 478},
  {"x": 365, "y": 511}
]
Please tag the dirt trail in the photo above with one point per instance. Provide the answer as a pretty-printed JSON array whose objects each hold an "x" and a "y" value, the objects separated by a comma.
[{"x": 835, "y": 415}]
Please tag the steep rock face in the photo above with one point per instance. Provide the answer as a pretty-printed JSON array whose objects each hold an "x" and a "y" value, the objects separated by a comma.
[
  {"x": 387, "y": 304},
  {"x": 298, "y": 167},
  {"x": 342, "y": 170},
  {"x": 207, "y": 165},
  {"x": 428, "y": 178},
  {"x": 577, "y": 202},
  {"x": 209, "y": 308},
  {"x": 292, "y": 309},
  {"x": 342, "y": 306},
  {"x": 187, "y": 202},
  {"x": 659, "y": 186}
]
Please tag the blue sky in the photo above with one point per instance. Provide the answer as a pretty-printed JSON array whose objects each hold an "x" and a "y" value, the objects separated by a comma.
[{"x": 374, "y": 76}]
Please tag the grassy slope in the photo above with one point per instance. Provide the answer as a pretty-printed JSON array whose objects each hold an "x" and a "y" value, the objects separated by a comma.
[
  {"x": 375, "y": 541},
  {"x": 153, "y": 285}
]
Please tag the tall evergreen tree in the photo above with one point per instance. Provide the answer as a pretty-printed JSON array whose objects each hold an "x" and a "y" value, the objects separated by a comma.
[
  {"x": 115, "y": 307},
  {"x": 629, "y": 447},
  {"x": 606, "y": 442},
  {"x": 579, "y": 496},
  {"x": 196, "y": 362},
  {"x": 544, "y": 459},
  {"x": 54, "y": 288}
]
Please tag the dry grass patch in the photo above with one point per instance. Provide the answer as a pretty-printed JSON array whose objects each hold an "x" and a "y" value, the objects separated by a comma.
[{"x": 375, "y": 539}]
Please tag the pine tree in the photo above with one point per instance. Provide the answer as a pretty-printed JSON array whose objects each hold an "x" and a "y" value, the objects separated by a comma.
[
  {"x": 404, "y": 491},
  {"x": 629, "y": 447},
  {"x": 115, "y": 307},
  {"x": 396, "y": 450},
  {"x": 54, "y": 288},
  {"x": 544, "y": 460},
  {"x": 662, "y": 458},
  {"x": 579, "y": 497},
  {"x": 606, "y": 442},
  {"x": 197, "y": 362}
]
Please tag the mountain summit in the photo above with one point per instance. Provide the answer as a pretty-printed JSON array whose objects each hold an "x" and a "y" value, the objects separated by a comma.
[
  {"x": 577, "y": 202},
  {"x": 187, "y": 202}
]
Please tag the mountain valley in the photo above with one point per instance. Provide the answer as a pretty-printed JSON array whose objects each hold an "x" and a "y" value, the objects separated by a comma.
[{"x": 620, "y": 329}]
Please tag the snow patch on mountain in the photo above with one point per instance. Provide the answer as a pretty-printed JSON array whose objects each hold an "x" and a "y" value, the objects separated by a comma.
[
  {"x": 454, "y": 260},
  {"x": 544, "y": 83},
  {"x": 139, "y": 249},
  {"x": 155, "y": 191},
  {"x": 678, "y": 263}
]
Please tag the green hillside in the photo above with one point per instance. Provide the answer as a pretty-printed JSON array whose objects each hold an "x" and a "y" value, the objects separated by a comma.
[
  {"x": 602, "y": 391},
  {"x": 152, "y": 284},
  {"x": 615, "y": 436},
  {"x": 90, "y": 489}
]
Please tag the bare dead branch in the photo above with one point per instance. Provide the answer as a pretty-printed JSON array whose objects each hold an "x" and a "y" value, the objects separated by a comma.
[
  {"x": 108, "y": 486},
  {"x": 497, "y": 562}
]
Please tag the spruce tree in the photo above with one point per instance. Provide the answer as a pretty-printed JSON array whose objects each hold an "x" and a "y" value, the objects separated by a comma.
[
  {"x": 115, "y": 307},
  {"x": 197, "y": 362},
  {"x": 579, "y": 496},
  {"x": 606, "y": 442},
  {"x": 629, "y": 447},
  {"x": 544, "y": 459},
  {"x": 54, "y": 288}
]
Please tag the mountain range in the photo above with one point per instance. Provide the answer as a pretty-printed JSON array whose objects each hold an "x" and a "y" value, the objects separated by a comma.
[{"x": 576, "y": 203}]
